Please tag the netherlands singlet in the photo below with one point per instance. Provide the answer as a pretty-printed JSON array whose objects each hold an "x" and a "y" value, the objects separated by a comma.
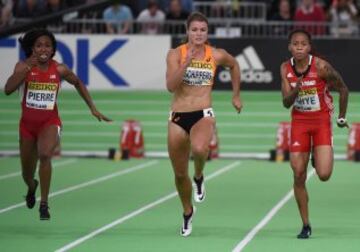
[
  {"x": 314, "y": 100},
  {"x": 39, "y": 100},
  {"x": 199, "y": 72}
]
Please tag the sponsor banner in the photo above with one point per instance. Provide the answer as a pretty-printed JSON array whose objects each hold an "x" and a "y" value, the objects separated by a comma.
[
  {"x": 260, "y": 61},
  {"x": 103, "y": 61}
]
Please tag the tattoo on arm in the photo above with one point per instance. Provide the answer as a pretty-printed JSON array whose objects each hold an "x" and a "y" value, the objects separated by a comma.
[{"x": 333, "y": 78}]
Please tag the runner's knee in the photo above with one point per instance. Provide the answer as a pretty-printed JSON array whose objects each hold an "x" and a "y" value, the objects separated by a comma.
[
  {"x": 299, "y": 178},
  {"x": 45, "y": 156},
  {"x": 324, "y": 176},
  {"x": 200, "y": 150}
]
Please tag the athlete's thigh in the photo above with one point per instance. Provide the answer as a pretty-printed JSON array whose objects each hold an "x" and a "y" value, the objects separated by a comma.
[
  {"x": 178, "y": 146},
  {"x": 48, "y": 139},
  {"x": 300, "y": 139},
  {"x": 202, "y": 131},
  {"x": 28, "y": 153},
  {"x": 324, "y": 159},
  {"x": 299, "y": 162},
  {"x": 322, "y": 134}
]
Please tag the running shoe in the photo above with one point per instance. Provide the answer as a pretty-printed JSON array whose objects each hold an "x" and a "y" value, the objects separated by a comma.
[
  {"x": 187, "y": 223},
  {"x": 30, "y": 196},
  {"x": 44, "y": 211},
  {"x": 199, "y": 191},
  {"x": 305, "y": 232}
]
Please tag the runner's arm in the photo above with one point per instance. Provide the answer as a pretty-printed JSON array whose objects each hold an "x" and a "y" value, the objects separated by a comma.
[
  {"x": 289, "y": 95},
  {"x": 335, "y": 81},
  {"x": 73, "y": 79},
  {"x": 17, "y": 78},
  {"x": 223, "y": 58}
]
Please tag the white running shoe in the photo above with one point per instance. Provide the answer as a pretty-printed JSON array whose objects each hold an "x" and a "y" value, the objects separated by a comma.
[
  {"x": 187, "y": 223},
  {"x": 199, "y": 190}
]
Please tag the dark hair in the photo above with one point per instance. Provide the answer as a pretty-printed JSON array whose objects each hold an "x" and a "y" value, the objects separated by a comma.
[
  {"x": 196, "y": 16},
  {"x": 27, "y": 41},
  {"x": 307, "y": 34},
  {"x": 313, "y": 50}
]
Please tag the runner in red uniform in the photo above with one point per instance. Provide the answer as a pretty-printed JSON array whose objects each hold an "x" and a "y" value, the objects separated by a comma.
[
  {"x": 305, "y": 82},
  {"x": 38, "y": 77}
]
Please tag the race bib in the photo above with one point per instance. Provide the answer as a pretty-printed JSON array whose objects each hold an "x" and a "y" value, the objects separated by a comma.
[
  {"x": 41, "y": 95},
  {"x": 198, "y": 74},
  {"x": 307, "y": 100},
  {"x": 209, "y": 112}
]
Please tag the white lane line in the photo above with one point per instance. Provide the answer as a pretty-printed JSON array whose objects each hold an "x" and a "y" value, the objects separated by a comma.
[
  {"x": 241, "y": 245},
  {"x": 85, "y": 184},
  {"x": 57, "y": 164},
  {"x": 147, "y": 102},
  {"x": 158, "y": 112},
  {"x": 149, "y": 123},
  {"x": 139, "y": 211},
  {"x": 86, "y": 134}
]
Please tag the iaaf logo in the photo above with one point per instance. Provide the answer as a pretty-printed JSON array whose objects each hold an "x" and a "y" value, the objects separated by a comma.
[{"x": 252, "y": 69}]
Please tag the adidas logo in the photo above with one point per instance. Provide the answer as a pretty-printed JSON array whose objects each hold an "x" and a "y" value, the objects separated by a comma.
[
  {"x": 296, "y": 144},
  {"x": 251, "y": 66},
  {"x": 289, "y": 75}
]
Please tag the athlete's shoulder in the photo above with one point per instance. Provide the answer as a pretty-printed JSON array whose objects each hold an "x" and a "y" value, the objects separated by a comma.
[
  {"x": 321, "y": 65},
  {"x": 220, "y": 55},
  {"x": 216, "y": 50},
  {"x": 52, "y": 61},
  {"x": 21, "y": 63},
  {"x": 173, "y": 53},
  {"x": 284, "y": 65}
]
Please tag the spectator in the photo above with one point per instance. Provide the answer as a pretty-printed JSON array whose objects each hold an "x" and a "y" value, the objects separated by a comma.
[
  {"x": 310, "y": 11},
  {"x": 176, "y": 11},
  {"x": 118, "y": 17},
  {"x": 72, "y": 3},
  {"x": 176, "y": 14},
  {"x": 29, "y": 9},
  {"x": 283, "y": 13},
  {"x": 151, "y": 18},
  {"x": 91, "y": 22},
  {"x": 187, "y": 5},
  {"x": 5, "y": 13},
  {"x": 53, "y": 6},
  {"x": 343, "y": 16}
]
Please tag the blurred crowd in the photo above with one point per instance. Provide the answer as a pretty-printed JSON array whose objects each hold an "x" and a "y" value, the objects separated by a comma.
[{"x": 121, "y": 14}]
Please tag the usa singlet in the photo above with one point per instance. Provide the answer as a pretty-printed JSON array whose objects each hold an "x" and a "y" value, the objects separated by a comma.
[
  {"x": 39, "y": 100},
  {"x": 199, "y": 72}
]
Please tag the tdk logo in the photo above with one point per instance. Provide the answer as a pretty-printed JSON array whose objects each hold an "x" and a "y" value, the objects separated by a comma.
[
  {"x": 81, "y": 58},
  {"x": 252, "y": 69}
]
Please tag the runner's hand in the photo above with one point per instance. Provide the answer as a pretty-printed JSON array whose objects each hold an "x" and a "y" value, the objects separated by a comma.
[
  {"x": 342, "y": 123},
  {"x": 237, "y": 103},
  {"x": 100, "y": 116}
]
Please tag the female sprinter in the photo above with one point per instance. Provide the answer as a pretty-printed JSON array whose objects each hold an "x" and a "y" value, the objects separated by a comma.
[
  {"x": 306, "y": 80},
  {"x": 38, "y": 77},
  {"x": 189, "y": 76}
]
